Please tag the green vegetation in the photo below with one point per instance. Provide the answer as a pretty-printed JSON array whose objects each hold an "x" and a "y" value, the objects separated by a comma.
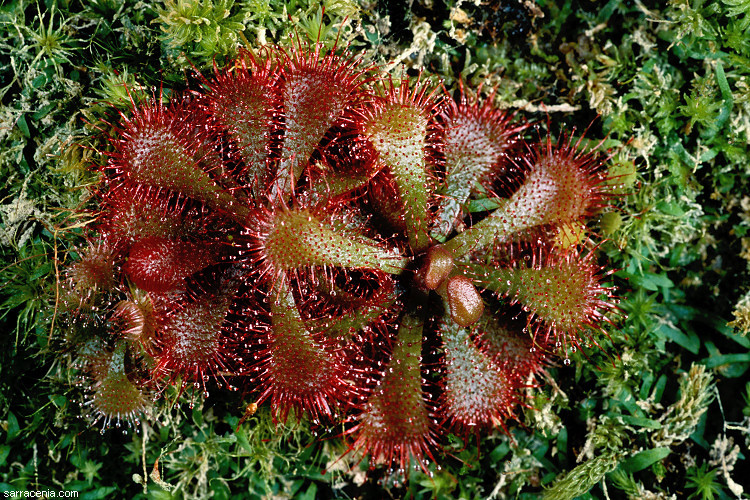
[{"x": 663, "y": 408}]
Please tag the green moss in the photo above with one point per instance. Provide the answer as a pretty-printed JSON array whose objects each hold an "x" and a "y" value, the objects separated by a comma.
[{"x": 669, "y": 84}]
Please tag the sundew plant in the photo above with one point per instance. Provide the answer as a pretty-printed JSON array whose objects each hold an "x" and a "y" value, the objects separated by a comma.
[
  {"x": 293, "y": 234},
  {"x": 336, "y": 250}
]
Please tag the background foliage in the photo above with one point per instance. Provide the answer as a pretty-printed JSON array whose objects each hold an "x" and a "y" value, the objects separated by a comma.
[{"x": 662, "y": 412}]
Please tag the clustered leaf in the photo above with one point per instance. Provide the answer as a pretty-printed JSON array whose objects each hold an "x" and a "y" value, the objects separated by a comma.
[{"x": 301, "y": 227}]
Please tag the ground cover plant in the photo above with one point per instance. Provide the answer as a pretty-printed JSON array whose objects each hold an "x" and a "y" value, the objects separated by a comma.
[{"x": 660, "y": 411}]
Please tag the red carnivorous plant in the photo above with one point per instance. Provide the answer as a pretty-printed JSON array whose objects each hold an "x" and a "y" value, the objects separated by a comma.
[{"x": 307, "y": 229}]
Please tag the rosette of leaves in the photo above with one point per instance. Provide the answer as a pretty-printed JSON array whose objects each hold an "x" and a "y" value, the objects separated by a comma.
[{"x": 312, "y": 231}]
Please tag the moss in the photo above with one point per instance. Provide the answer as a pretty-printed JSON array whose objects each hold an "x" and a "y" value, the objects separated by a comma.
[{"x": 665, "y": 83}]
